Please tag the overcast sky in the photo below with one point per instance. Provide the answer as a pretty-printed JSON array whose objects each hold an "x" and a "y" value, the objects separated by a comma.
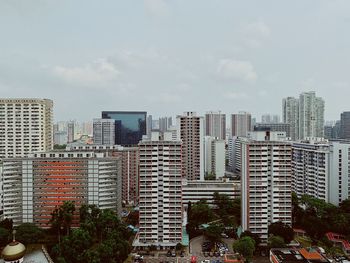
[{"x": 166, "y": 57}]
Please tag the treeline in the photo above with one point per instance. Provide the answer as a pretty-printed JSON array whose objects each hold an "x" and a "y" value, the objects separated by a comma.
[
  {"x": 101, "y": 237},
  {"x": 317, "y": 217}
]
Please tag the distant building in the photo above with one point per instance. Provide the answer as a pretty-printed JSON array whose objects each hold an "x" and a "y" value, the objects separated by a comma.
[
  {"x": 26, "y": 125},
  {"x": 71, "y": 132},
  {"x": 294, "y": 255},
  {"x": 214, "y": 157},
  {"x": 269, "y": 118},
  {"x": 215, "y": 125},
  {"x": 160, "y": 200},
  {"x": 149, "y": 125},
  {"x": 277, "y": 126},
  {"x": 190, "y": 128},
  {"x": 130, "y": 126},
  {"x": 165, "y": 123},
  {"x": 34, "y": 186},
  {"x": 241, "y": 124},
  {"x": 345, "y": 125},
  {"x": 266, "y": 179},
  {"x": 104, "y": 131},
  {"x": 290, "y": 110}
]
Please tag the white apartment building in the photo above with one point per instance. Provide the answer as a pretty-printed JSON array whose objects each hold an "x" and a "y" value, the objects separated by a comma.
[
  {"x": 34, "y": 186},
  {"x": 104, "y": 131},
  {"x": 241, "y": 124},
  {"x": 311, "y": 115},
  {"x": 160, "y": 197},
  {"x": 321, "y": 170},
  {"x": 190, "y": 130},
  {"x": 25, "y": 126},
  {"x": 194, "y": 191},
  {"x": 215, "y": 124},
  {"x": 290, "y": 115},
  {"x": 214, "y": 156},
  {"x": 305, "y": 115},
  {"x": 266, "y": 182}
]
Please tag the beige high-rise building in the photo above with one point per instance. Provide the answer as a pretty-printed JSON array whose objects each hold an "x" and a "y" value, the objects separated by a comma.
[
  {"x": 25, "y": 126},
  {"x": 241, "y": 124},
  {"x": 190, "y": 130},
  {"x": 215, "y": 125}
]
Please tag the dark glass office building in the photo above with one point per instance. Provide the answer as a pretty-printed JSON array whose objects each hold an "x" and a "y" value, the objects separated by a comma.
[{"x": 129, "y": 126}]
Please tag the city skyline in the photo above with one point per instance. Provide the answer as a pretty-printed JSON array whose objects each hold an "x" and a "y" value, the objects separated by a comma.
[{"x": 227, "y": 55}]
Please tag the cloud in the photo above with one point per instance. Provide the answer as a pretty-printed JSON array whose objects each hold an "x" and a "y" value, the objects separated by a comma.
[
  {"x": 234, "y": 95},
  {"x": 239, "y": 70},
  {"x": 157, "y": 8},
  {"x": 255, "y": 33},
  {"x": 99, "y": 72}
]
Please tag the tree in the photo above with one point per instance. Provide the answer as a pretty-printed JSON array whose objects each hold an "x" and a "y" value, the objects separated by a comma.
[
  {"x": 7, "y": 224},
  {"x": 179, "y": 246},
  {"x": 282, "y": 230},
  {"x": 245, "y": 246},
  {"x": 201, "y": 213},
  {"x": 68, "y": 209},
  {"x": 276, "y": 242},
  {"x": 254, "y": 236},
  {"x": 74, "y": 245},
  {"x": 213, "y": 231},
  {"x": 4, "y": 236},
  {"x": 29, "y": 233}
]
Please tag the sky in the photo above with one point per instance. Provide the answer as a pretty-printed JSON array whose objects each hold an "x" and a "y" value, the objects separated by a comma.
[{"x": 170, "y": 56}]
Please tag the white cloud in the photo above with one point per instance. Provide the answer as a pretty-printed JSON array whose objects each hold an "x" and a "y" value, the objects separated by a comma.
[
  {"x": 99, "y": 72},
  {"x": 239, "y": 70},
  {"x": 157, "y": 8},
  {"x": 255, "y": 33}
]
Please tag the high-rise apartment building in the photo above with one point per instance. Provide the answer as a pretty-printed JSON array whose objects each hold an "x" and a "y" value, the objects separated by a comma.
[
  {"x": 70, "y": 131},
  {"x": 241, "y": 124},
  {"x": 215, "y": 125},
  {"x": 190, "y": 131},
  {"x": 130, "y": 126},
  {"x": 34, "y": 186},
  {"x": 270, "y": 118},
  {"x": 160, "y": 193},
  {"x": 104, "y": 131},
  {"x": 165, "y": 123},
  {"x": 290, "y": 115},
  {"x": 311, "y": 115},
  {"x": 345, "y": 125},
  {"x": 25, "y": 126},
  {"x": 149, "y": 125},
  {"x": 130, "y": 166},
  {"x": 305, "y": 115},
  {"x": 321, "y": 169},
  {"x": 214, "y": 157},
  {"x": 266, "y": 180}
]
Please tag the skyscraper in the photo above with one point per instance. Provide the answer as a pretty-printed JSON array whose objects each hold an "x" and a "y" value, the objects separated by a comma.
[
  {"x": 160, "y": 200},
  {"x": 25, "y": 126},
  {"x": 266, "y": 180},
  {"x": 165, "y": 123},
  {"x": 269, "y": 118},
  {"x": 130, "y": 126},
  {"x": 311, "y": 115},
  {"x": 305, "y": 115},
  {"x": 214, "y": 157},
  {"x": 215, "y": 125},
  {"x": 290, "y": 115},
  {"x": 241, "y": 124},
  {"x": 345, "y": 125},
  {"x": 104, "y": 131},
  {"x": 70, "y": 131},
  {"x": 190, "y": 131}
]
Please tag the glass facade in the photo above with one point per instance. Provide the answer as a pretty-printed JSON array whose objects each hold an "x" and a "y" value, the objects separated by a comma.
[{"x": 129, "y": 126}]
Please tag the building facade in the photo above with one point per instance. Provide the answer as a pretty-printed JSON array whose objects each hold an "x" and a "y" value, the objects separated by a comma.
[
  {"x": 215, "y": 125},
  {"x": 214, "y": 157},
  {"x": 26, "y": 125},
  {"x": 345, "y": 125},
  {"x": 321, "y": 169},
  {"x": 290, "y": 115},
  {"x": 160, "y": 200},
  {"x": 104, "y": 131},
  {"x": 276, "y": 127},
  {"x": 130, "y": 126},
  {"x": 34, "y": 186},
  {"x": 190, "y": 129},
  {"x": 241, "y": 124},
  {"x": 266, "y": 180}
]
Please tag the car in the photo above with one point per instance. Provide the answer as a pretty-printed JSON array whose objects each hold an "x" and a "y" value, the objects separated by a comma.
[
  {"x": 211, "y": 253},
  {"x": 168, "y": 254},
  {"x": 206, "y": 253},
  {"x": 182, "y": 253},
  {"x": 205, "y": 261},
  {"x": 173, "y": 253},
  {"x": 217, "y": 253},
  {"x": 224, "y": 235}
]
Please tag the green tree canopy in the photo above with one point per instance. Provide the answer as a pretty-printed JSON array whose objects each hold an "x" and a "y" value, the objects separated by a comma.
[
  {"x": 245, "y": 246},
  {"x": 282, "y": 230}
]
